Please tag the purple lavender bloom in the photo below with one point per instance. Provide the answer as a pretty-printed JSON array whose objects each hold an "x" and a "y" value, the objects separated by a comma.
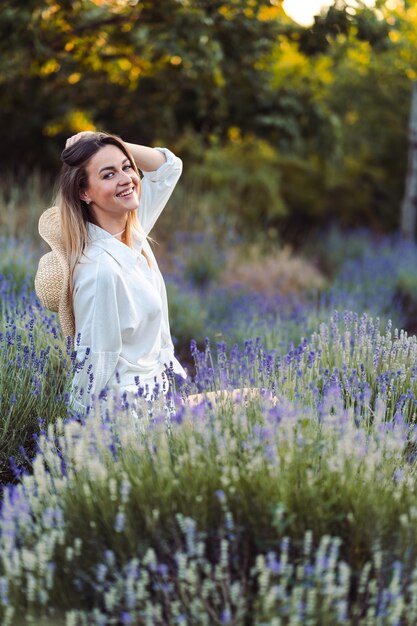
[
  {"x": 309, "y": 570},
  {"x": 178, "y": 416},
  {"x": 221, "y": 495},
  {"x": 101, "y": 572},
  {"x": 162, "y": 569},
  {"x": 119, "y": 524},
  {"x": 226, "y": 616},
  {"x": 262, "y": 433},
  {"x": 272, "y": 563}
]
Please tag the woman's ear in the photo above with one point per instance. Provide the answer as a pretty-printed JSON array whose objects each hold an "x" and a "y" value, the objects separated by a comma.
[{"x": 84, "y": 196}]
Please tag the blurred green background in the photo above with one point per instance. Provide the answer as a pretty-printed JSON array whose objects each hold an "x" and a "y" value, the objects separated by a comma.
[{"x": 282, "y": 128}]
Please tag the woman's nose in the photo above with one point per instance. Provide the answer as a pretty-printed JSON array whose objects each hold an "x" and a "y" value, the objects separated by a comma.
[{"x": 126, "y": 177}]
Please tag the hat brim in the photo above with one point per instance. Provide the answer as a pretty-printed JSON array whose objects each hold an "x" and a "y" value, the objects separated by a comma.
[{"x": 52, "y": 280}]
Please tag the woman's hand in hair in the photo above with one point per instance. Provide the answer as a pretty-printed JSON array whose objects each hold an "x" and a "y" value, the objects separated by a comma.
[{"x": 71, "y": 140}]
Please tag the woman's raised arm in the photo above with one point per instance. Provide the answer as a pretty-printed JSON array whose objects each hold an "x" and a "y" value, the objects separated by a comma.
[{"x": 147, "y": 159}]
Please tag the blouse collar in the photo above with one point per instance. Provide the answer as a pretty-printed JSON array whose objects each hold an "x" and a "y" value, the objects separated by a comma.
[{"x": 125, "y": 256}]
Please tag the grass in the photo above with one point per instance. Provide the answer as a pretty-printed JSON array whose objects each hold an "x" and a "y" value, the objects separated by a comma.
[{"x": 21, "y": 200}]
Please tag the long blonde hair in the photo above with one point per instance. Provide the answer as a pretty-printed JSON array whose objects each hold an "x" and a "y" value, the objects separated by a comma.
[{"x": 75, "y": 212}]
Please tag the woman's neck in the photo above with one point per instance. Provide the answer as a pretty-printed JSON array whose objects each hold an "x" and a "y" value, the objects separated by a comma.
[
  {"x": 119, "y": 235},
  {"x": 116, "y": 227}
]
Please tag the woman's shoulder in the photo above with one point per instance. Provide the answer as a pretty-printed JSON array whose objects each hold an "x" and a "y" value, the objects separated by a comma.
[{"x": 94, "y": 265}]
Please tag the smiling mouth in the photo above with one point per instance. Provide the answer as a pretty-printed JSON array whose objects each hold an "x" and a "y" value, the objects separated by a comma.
[{"x": 124, "y": 194}]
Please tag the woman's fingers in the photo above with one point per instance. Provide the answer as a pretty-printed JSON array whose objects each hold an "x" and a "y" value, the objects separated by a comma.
[{"x": 71, "y": 140}]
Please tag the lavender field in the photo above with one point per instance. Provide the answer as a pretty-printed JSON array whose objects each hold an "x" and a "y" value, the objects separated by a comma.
[
  {"x": 294, "y": 505},
  {"x": 277, "y": 485}
]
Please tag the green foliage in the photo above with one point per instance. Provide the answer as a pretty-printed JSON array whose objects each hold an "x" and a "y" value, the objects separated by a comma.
[
  {"x": 325, "y": 29},
  {"x": 353, "y": 97},
  {"x": 332, "y": 101},
  {"x": 241, "y": 178},
  {"x": 22, "y": 197},
  {"x": 337, "y": 22},
  {"x": 139, "y": 69},
  {"x": 303, "y": 190},
  {"x": 187, "y": 316},
  {"x": 406, "y": 292}
]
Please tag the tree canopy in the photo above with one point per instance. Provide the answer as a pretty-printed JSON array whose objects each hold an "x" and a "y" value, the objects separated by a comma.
[
  {"x": 332, "y": 100},
  {"x": 146, "y": 68}
]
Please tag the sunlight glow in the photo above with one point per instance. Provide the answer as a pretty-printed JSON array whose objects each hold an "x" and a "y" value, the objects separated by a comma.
[{"x": 303, "y": 11}]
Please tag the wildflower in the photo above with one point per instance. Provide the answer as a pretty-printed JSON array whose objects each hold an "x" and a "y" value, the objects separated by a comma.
[
  {"x": 221, "y": 495},
  {"x": 120, "y": 522},
  {"x": 101, "y": 572},
  {"x": 226, "y": 616},
  {"x": 272, "y": 562},
  {"x": 125, "y": 489},
  {"x": 162, "y": 569}
]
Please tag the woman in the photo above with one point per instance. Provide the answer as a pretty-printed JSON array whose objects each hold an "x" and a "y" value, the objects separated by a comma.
[{"x": 112, "y": 297}]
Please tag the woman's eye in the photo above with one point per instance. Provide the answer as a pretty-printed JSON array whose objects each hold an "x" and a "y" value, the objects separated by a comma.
[{"x": 111, "y": 174}]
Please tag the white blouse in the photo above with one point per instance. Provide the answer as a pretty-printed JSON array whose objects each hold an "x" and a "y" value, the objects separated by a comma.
[{"x": 120, "y": 304}]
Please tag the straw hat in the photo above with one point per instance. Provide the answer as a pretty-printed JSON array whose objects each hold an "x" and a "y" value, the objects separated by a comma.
[{"x": 52, "y": 280}]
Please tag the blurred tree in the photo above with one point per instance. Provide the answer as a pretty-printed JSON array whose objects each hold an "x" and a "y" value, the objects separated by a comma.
[
  {"x": 332, "y": 101},
  {"x": 409, "y": 204},
  {"x": 325, "y": 29},
  {"x": 143, "y": 69},
  {"x": 354, "y": 94}
]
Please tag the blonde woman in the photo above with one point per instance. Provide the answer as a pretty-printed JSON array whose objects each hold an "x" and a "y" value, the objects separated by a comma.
[{"x": 102, "y": 275}]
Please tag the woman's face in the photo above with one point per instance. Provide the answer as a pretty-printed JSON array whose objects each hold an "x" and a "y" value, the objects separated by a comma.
[{"x": 113, "y": 185}]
